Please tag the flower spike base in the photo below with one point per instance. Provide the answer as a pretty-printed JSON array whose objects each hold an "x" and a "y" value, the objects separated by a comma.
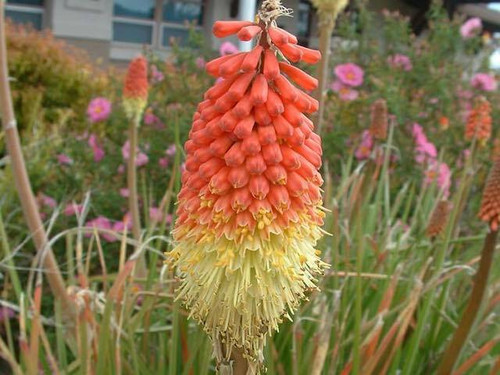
[{"x": 250, "y": 208}]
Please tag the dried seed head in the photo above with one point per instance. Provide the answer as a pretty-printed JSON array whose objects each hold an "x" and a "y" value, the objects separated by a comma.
[
  {"x": 439, "y": 219},
  {"x": 479, "y": 121},
  {"x": 379, "y": 122},
  {"x": 490, "y": 205},
  {"x": 270, "y": 10}
]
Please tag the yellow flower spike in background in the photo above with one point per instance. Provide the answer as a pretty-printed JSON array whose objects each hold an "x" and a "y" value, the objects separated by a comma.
[{"x": 250, "y": 207}]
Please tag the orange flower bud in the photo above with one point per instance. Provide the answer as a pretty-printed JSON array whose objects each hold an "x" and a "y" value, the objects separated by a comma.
[
  {"x": 223, "y": 29},
  {"x": 135, "y": 90}
]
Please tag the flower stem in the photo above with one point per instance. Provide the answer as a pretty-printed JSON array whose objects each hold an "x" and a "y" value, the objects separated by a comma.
[
  {"x": 456, "y": 344},
  {"x": 22, "y": 183},
  {"x": 133, "y": 198},
  {"x": 327, "y": 24}
]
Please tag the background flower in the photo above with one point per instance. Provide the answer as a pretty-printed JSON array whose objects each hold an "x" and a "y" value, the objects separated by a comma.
[
  {"x": 471, "y": 28},
  {"x": 484, "y": 82},
  {"x": 350, "y": 74},
  {"x": 98, "y": 110}
]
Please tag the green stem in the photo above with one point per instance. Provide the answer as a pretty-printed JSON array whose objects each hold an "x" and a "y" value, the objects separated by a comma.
[
  {"x": 456, "y": 344},
  {"x": 133, "y": 198}
]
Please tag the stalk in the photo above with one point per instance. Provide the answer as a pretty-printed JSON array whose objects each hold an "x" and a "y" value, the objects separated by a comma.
[
  {"x": 133, "y": 199},
  {"x": 22, "y": 183},
  {"x": 456, "y": 344},
  {"x": 328, "y": 12},
  {"x": 326, "y": 26}
]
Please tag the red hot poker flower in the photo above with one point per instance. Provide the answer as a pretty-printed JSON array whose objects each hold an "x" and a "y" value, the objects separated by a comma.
[
  {"x": 135, "y": 90},
  {"x": 479, "y": 121},
  {"x": 250, "y": 208}
]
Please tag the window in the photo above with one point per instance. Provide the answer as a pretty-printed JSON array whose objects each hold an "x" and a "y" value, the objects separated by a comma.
[
  {"x": 26, "y": 12},
  {"x": 304, "y": 19},
  {"x": 155, "y": 22}
]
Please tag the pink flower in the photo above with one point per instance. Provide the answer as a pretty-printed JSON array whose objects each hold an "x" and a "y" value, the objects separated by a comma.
[
  {"x": 364, "y": 150},
  {"x": 350, "y": 74},
  {"x": 484, "y": 82},
  {"x": 73, "y": 209},
  {"x": 141, "y": 159},
  {"x": 126, "y": 223},
  {"x": 156, "y": 75},
  {"x": 171, "y": 150},
  {"x": 168, "y": 219},
  {"x": 6, "y": 313},
  {"x": 64, "y": 159},
  {"x": 471, "y": 28},
  {"x": 121, "y": 169},
  {"x": 126, "y": 150},
  {"x": 150, "y": 118},
  {"x": 400, "y": 61},
  {"x": 345, "y": 92},
  {"x": 98, "y": 109},
  {"x": 200, "y": 62},
  {"x": 47, "y": 201},
  {"x": 103, "y": 223},
  {"x": 424, "y": 149},
  {"x": 124, "y": 193},
  {"x": 96, "y": 148},
  {"x": 163, "y": 162},
  {"x": 440, "y": 173},
  {"x": 228, "y": 48},
  {"x": 155, "y": 214}
]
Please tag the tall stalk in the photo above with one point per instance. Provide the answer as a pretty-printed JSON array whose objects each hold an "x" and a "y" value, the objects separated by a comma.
[
  {"x": 471, "y": 311},
  {"x": 22, "y": 183},
  {"x": 328, "y": 11},
  {"x": 133, "y": 199},
  {"x": 135, "y": 96}
]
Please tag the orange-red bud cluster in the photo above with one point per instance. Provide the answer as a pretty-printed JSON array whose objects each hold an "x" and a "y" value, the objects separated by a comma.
[
  {"x": 439, "y": 219},
  {"x": 490, "y": 205},
  {"x": 135, "y": 90},
  {"x": 379, "y": 121},
  {"x": 479, "y": 121},
  {"x": 136, "y": 80},
  {"x": 250, "y": 139}
]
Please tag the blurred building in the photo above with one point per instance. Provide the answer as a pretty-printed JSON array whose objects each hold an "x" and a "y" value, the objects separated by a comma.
[{"x": 114, "y": 30}]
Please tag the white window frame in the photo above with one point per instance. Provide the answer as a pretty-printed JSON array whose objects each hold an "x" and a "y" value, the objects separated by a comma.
[
  {"x": 32, "y": 9},
  {"x": 157, "y": 24}
]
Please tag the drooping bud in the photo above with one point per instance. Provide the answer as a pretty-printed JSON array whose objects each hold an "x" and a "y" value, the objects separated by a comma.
[
  {"x": 135, "y": 90},
  {"x": 490, "y": 205}
]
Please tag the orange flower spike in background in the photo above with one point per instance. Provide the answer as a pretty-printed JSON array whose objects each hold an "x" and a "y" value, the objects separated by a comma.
[
  {"x": 250, "y": 209},
  {"x": 379, "y": 121},
  {"x": 479, "y": 121},
  {"x": 135, "y": 90},
  {"x": 490, "y": 205}
]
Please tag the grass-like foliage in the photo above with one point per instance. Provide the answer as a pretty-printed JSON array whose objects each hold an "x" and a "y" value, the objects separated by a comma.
[{"x": 404, "y": 240}]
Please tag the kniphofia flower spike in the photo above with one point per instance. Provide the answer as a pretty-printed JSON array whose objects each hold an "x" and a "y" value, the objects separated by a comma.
[
  {"x": 250, "y": 207},
  {"x": 135, "y": 90}
]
